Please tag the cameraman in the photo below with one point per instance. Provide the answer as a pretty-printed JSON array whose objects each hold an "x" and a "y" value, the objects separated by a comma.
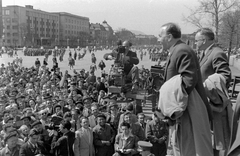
[
  {"x": 63, "y": 146},
  {"x": 128, "y": 59}
]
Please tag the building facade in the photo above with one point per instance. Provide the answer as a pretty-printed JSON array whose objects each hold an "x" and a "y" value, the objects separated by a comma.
[
  {"x": 73, "y": 29},
  {"x": 145, "y": 40},
  {"x": 102, "y": 34},
  {"x": 26, "y": 26}
]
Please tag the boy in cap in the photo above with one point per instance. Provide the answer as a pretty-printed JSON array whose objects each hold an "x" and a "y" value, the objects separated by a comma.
[
  {"x": 144, "y": 148},
  {"x": 33, "y": 147}
]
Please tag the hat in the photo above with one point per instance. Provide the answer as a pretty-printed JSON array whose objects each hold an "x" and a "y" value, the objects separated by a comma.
[
  {"x": 10, "y": 135},
  {"x": 8, "y": 119},
  {"x": 159, "y": 114},
  {"x": 26, "y": 109},
  {"x": 86, "y": 98},
  {"x": 37, "y": 122},
  {"x": 57, "y": 105},
  {"x": 73, "y": 83},
  {"x": 129, "y": 107},
  {"x": 47, "y": 96},
  {"x": 33, "y": 132},
  {"x": 144, "y": 146},
  {"x": 101, "y": 116},
  {"x": 26, "y": 116},
  {"x": 113, "y": 104}
]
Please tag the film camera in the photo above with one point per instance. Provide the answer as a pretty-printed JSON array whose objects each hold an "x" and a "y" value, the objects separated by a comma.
[
  {"x": 55, "y": 122},
  {"x": 120, "y": 49}
]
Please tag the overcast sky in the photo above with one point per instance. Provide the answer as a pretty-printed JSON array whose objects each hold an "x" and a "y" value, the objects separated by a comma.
[{"x": 143, "y": 15}]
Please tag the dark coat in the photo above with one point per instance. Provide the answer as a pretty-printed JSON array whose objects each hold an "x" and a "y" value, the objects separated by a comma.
[
  {"x": 103, "y": 134},
  {"x": 234, "y": 149},
  {"x": 28, "y": 150},
  {"x": 183, "y": 60},
  {"x": 215, "y": 61},
  {"x": 64, "y": 145}
]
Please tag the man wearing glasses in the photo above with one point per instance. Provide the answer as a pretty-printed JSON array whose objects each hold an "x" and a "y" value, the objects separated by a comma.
[
  {"x": 183, "y": 61},
  {"x": 214, "y": 62}
]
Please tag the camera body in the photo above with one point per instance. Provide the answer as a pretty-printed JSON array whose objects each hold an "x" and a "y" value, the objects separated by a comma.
[
  {"x": 121, "y": 49},
  {"x": 52, "y": 126}
]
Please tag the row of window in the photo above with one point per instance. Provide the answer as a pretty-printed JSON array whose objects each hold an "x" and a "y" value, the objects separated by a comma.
[
  {"x": 8, "y": 20},
  {"x": 8, "y": 35},
  {"x": 73, "y": 32},
  {"x": 75, "y": 21},
  {"x": 8, "y": 27},
  {"x": 42, "y": 20},
  {"x": 6, "y": 12},
  {"x": 9, "y": 41},
  {"x": 76, "y": 27},
  {"x": 41, "y": 15}
]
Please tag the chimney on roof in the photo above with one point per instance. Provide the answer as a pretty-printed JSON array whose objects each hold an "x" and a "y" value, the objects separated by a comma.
[{"x": 29, "y": 6}]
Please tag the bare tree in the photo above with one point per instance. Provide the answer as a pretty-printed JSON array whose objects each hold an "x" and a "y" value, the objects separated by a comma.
[
  {"x": 229, "y": 28},
  {"x": 209, "y": 12}
]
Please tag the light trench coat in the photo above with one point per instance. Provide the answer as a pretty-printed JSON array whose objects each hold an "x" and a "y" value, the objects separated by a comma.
[
  {"x": 83, "y": 145},
  {"x": 191, "y": 135}
]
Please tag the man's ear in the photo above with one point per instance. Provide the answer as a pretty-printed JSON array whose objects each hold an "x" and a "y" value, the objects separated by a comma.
[{"x": 170, "y": 37}]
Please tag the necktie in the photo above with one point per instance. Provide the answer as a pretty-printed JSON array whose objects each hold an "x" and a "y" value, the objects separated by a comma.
[{"x": 201, "y": 56}]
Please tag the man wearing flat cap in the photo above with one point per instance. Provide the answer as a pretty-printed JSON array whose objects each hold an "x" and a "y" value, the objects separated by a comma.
[
  {"x": 43, "y": 134},
  {"x": 157, "y": 134},
  {"x": 33, "y": 147},
  {"x": 144, "y": 148},
  {"x": 11, "y": 148},
  {"x": 104, "y": 136}
]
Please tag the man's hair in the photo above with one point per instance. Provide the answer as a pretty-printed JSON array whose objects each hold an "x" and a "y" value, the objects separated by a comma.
[
  {"x": 173, "y": 29},
  {"x": 207, "y": 32},
  {"x": 125, "y": 124},
  {"x": 66, "y": 124},
  {"x": 81, "y": 119}
]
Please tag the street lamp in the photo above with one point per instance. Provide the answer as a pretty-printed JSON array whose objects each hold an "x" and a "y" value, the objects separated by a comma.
[
  {"x": 67, "y": 41},
  {"x": 41, "y": 41},
  {"x": 87, "y": 43},
  {"x": 24, "y": 41},
  {"x": 78, "y": 41},
  {"x": 55, "y": 41}
]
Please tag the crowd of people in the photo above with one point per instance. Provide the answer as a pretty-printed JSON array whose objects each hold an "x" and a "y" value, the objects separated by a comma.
[{"x": 47, "y": 112}]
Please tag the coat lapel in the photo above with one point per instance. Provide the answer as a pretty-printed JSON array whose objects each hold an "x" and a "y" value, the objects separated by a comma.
[
  {"x": 129, "y": 140},
  {"x": 84, "y": 135},
  {"x": 171, "y": 51},
  {"x": 205, "y": 58}
]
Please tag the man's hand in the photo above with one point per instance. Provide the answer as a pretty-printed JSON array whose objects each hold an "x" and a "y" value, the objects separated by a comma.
[
  {"x": 127, "y": 151},
  {"x": 108, "y": 143},
  {"x": 109, "y": 57}
]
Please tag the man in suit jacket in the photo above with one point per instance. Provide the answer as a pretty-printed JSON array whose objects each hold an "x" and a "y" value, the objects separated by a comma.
[
  {"x": 129, "y": 59},
  {"x": 214, "y": 60},
  {"x": 126, "y": 143},
  {"x": 182, "y": 60},
  {"x": 33, "y": 147},
  {"x": 83, "y": 144}
]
